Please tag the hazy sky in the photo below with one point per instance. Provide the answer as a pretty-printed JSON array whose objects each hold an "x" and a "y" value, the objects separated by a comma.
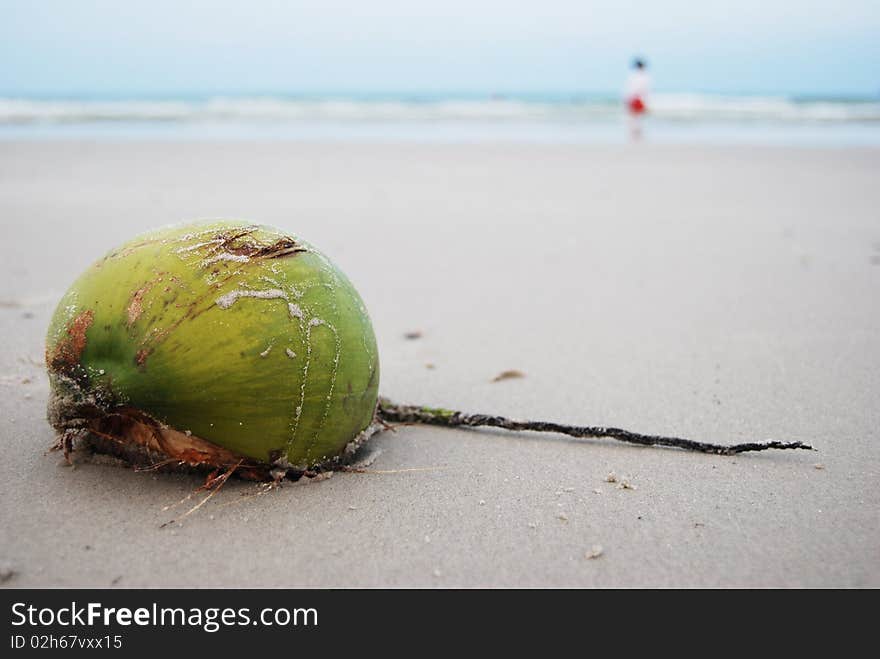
[{"x": 173, "y": 46}]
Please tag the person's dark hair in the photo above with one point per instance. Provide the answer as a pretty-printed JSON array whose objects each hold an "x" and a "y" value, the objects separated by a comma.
[{"x": 638, "y": 63}]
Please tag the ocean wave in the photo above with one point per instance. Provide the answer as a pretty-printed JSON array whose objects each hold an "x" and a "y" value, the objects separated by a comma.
[{"x": 672, "y": 107}]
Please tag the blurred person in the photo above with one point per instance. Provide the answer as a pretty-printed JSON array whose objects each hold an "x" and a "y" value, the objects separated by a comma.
[{"x": 638, "y": 87}]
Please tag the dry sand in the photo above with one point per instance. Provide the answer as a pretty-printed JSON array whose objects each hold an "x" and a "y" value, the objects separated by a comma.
[{"x": 725, "y": 294}]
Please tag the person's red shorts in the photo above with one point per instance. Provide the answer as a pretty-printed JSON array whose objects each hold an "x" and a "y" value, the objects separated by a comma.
[{"x": 636, "y": 105}]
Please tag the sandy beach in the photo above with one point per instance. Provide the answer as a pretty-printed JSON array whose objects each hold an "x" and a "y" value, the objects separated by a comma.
[{"x": 723, "y": 293}]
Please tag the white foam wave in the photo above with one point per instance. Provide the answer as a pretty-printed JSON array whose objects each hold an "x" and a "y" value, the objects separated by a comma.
[{"x": 675, "y": 107}]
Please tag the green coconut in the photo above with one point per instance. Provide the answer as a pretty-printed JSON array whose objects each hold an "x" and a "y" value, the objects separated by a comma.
[{"x": 214, "y": 344}]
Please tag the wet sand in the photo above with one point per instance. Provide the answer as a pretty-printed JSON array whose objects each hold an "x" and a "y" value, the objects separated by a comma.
[{"x": 717, "y": 293}]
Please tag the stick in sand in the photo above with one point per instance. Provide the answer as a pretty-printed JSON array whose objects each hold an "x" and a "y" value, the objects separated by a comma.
[{"x": 392, "y": 412}]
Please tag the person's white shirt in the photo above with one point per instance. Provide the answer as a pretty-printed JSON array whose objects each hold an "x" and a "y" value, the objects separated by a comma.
[{"x": 638, "y": 85}]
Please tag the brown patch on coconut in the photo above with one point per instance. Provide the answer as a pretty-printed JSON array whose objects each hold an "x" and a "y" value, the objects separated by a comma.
[
  {"x": 242, "y": 243},
  {"x": 140, "y": 357},
  {"x": 66, "y": 353},
  {"x": 144, "y": 442},
  {"x": 136, "y": 305}
]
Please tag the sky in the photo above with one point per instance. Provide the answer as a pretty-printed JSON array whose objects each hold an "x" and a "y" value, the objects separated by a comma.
[{"x": 165, "y": 47}]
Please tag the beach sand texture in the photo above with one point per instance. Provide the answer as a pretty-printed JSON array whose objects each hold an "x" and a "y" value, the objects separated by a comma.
[{"x": 719, "y": 293}]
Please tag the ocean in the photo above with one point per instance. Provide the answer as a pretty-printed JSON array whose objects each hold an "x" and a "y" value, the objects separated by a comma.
[{"x": 554, "y": 118}]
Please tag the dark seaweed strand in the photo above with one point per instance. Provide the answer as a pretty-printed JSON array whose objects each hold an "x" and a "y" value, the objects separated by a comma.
[{"x": 393, "y": 413}]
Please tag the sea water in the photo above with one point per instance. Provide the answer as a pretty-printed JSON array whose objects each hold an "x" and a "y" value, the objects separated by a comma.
[{"x": 543, "y": 118}]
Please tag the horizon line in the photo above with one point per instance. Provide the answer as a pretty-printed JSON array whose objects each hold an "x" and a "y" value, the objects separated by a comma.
[{"x": 411, "y": 94}]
